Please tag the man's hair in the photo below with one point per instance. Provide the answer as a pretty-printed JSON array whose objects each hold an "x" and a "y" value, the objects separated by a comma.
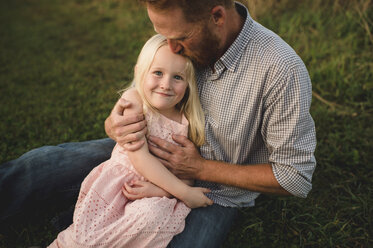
[{"x": 193, "y": 10}]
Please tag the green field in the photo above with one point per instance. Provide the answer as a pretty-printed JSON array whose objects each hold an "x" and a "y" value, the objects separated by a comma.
[{"x": 63, "y": 62}]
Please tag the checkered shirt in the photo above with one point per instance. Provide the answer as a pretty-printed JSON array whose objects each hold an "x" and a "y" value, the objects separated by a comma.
[{"x": 256, "y": 105}]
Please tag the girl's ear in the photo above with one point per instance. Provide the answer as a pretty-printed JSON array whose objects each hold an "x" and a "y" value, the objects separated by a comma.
[{"x": 133, "y": 81}]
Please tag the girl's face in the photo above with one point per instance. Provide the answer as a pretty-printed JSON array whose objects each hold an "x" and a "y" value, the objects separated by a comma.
[{"x": 165, "y": 82}]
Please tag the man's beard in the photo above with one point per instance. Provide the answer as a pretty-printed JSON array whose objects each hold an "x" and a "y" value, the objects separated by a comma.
[{"x": 208, "y": 51}]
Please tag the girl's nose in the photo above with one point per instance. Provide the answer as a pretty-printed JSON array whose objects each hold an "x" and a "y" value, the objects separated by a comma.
[
  {"x": 175, "y": 46},
  {"x": 165, "y": 83}
]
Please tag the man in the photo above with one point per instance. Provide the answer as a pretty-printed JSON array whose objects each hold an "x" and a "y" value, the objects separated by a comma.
[
  {"x": 256, "y": 95},
  {"x": 260, "y": 137}
]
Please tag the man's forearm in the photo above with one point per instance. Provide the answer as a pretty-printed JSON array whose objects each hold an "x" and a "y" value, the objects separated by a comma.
[{"x": 256, "y": 177}]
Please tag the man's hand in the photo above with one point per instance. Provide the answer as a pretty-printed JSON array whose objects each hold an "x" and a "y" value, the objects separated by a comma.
[
  {"x": 184, "y": 161},
  {"x": 141, "y": 189},
  {"x": 126, "y": 130}
]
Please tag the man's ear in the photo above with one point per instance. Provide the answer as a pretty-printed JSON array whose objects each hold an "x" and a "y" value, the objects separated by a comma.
[{"x": 219, "y": 15}]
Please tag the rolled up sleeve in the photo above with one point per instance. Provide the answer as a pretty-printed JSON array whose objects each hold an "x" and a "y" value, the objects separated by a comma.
[{"x": 289, "y": 131}]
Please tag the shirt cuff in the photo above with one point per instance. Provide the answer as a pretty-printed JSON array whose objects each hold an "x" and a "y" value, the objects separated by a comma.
[{"x": 291, "y": 180}]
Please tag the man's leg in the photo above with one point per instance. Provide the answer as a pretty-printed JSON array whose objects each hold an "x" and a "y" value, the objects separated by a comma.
[
  {"x": 49, "y": 172},
  {"x": 205, "y": 227}
]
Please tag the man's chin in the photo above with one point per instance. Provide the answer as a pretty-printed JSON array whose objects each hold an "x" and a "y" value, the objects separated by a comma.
[{"x": 198, "y": 64}]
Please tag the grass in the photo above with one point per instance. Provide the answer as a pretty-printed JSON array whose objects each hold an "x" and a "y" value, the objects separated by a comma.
[{"x": 62, "y": 63}]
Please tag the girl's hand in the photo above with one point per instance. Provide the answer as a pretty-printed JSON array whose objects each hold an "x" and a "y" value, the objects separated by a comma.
[
  {"x": 195, "y": 197},
  {"x": 141, "y": 189}
]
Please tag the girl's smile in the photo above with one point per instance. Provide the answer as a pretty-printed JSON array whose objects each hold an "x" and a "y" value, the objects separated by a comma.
[{"x": 163, "y": 94}]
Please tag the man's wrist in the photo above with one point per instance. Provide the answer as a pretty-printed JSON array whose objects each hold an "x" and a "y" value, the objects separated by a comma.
[{"x": 202, "y": 168}]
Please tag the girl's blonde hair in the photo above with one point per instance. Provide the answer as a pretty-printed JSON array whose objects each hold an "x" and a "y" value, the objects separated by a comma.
[{"x": 189, "y": 105}]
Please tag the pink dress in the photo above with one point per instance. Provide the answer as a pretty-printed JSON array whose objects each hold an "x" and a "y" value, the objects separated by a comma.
[{"x": 104, "y": 217}]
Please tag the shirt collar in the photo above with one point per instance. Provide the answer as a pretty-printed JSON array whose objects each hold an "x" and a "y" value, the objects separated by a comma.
[{"x": 232, "y": 56}]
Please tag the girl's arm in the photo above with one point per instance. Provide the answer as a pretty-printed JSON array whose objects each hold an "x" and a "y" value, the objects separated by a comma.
[
  {"x": 153, "y": 170},
  {"x": 139, "y": 189}
]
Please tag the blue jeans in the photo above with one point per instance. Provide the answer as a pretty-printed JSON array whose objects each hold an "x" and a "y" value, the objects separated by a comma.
[
  {"x": 48, "y": 174},
  {"x": 205, "y": 227},
  {"x": 55, "y": 173}
]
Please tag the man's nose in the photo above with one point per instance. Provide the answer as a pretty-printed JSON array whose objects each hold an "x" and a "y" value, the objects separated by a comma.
[{"x": 175, "y": 46}]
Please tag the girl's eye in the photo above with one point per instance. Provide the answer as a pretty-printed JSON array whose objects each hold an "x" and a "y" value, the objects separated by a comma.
[
  {"x": 158, "y": 73},
  {"x": 177, "y": 77}
]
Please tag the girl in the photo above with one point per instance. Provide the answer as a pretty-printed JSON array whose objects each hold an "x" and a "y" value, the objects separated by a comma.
[{"x": 165, "y": 90}]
